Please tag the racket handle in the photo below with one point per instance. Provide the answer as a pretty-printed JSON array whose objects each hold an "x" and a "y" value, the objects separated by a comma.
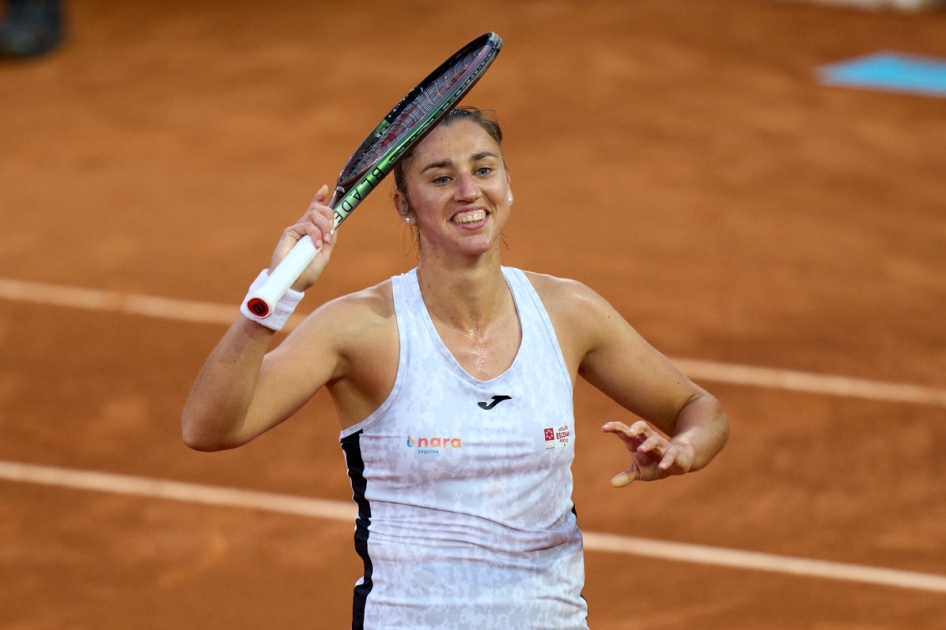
[{"x": 263, "y": 301}]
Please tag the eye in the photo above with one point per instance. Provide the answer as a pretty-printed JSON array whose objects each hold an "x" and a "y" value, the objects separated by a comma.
[
  {"x": 483, "y": 171},
  {"x": 441, "y": 180}
]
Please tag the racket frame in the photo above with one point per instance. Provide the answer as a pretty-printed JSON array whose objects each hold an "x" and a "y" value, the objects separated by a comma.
[{"x": 352, "y": 191}]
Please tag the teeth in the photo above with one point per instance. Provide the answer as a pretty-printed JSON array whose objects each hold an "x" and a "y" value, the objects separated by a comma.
[{"x": 471, "y": 217}]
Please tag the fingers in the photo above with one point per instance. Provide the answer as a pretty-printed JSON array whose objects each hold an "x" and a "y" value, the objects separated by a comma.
[
  {"x": 639, "y": 437},
  {"x": 317, "y": 223},
  {"x": 626, "y": 477},
  {"x": 653, "y": 456},
  {"x": 669, "y": 460}
]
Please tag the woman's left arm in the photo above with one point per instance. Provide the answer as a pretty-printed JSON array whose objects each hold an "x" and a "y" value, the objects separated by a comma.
[{"x": 683, "y": 427}]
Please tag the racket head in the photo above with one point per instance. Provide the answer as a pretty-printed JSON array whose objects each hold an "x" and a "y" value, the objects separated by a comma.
[
  {"x": 404, "y": 126},
  {"x": 418, "y": 112}
]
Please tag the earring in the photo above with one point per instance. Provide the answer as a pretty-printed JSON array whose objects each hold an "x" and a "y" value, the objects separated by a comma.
[
  {"x": 407, "y": 220},
  {"x": 509, "y": 197}
]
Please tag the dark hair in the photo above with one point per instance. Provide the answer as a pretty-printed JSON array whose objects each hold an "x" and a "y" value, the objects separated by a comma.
[{"x": 474, "y": 114}]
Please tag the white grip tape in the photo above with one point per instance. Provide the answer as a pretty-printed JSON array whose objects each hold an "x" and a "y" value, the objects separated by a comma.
[
  {"x": 281, "y": 310},
  {"x": 262, "y": 300}
]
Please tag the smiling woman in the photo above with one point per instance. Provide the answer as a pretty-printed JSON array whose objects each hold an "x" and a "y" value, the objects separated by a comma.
[
  {"x": 477, "y": 528},
  {"x": 478, "y": 169}
]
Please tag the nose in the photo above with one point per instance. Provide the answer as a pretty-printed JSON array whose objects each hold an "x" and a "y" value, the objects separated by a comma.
[{"x": 467, "y": 188}]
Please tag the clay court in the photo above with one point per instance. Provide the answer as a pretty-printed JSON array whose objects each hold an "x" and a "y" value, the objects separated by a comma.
[{"x": 784, "y": 241}]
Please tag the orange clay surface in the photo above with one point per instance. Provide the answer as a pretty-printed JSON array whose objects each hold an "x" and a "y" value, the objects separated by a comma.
[{"x": 677, "y": 156}]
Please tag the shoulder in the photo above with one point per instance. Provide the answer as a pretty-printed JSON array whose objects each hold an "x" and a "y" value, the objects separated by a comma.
[
  {"x": 566, "y": 298},
  {"x": 368, "y": 304},
  {"x": 583, "y": 320},
  {"x": 347, "y": 318}
]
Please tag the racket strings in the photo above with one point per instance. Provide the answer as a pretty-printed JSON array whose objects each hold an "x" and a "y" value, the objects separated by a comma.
[{"x": 421, "y": 105}]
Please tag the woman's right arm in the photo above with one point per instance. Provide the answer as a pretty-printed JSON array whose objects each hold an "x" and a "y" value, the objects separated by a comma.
[
  {"x": 244, "y": 389},
  {"x": 241, "y": 391},
  {"x": 215, "y": 415}
]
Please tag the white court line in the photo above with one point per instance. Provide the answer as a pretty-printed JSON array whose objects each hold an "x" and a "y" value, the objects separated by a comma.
[
  {"x": 809, "y": 382},
  {"x": 210, "y": 313},
  {"x": 340, "y": 511},
  {"x": 114, "y": 302}
]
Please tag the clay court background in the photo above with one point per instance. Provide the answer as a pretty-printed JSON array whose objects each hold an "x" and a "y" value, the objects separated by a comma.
[{"x": 678, "y": 156}]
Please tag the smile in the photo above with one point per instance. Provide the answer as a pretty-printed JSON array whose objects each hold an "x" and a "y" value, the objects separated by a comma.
[{"x": 472, "y": 216}]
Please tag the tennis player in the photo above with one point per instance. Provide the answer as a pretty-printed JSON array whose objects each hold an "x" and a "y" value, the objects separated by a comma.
[{"x": 453, "y": 386}]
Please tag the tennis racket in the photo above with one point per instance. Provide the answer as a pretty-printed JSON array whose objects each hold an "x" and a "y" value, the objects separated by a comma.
[{"x": 401, "y": 129}]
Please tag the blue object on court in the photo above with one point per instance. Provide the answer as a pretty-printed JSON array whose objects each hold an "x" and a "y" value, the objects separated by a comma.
[{"x": 896, "y": 72}]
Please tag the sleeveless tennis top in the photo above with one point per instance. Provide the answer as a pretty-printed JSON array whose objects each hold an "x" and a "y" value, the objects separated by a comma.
[{"x": 465, "y": 516}]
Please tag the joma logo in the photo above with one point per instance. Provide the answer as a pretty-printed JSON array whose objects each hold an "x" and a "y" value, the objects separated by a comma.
[{"x": 495, "y": 401}]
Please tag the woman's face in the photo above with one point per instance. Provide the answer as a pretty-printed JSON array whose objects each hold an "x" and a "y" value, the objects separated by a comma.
[{"x": 456, "y": 190}]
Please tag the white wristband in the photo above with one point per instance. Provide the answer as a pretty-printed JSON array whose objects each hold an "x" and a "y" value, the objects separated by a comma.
[{"x": 281, "y": 312}]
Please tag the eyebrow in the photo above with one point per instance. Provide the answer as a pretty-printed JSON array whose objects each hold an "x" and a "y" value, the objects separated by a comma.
[{"x": 445, "y": 163}]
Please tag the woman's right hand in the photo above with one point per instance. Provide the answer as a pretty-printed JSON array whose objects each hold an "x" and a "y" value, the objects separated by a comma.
[{"x": 317, "y": 224}]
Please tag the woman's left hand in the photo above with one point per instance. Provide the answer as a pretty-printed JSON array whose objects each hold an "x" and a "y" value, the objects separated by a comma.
[{"x": 653, "y": 456}]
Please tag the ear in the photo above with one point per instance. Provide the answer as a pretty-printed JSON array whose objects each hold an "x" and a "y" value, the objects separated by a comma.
[{"x": 401, "y": 205}]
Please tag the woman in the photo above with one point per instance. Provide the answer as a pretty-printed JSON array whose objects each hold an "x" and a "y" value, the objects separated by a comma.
[{"x": 453, "y": 385}]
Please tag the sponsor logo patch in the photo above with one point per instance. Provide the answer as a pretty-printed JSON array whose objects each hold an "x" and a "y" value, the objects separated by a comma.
[
  {"x": 433, "y": 445},
  {"x": 557, "y": 437}
]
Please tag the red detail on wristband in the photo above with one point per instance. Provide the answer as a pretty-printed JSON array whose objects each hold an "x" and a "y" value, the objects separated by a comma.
[{"x": 258, "y": 307}]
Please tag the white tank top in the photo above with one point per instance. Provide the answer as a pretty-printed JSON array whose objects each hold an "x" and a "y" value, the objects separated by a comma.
[{"x": 465, "y": 517}]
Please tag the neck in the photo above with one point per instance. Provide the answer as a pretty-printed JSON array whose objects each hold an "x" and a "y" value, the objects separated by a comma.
[{"x": 465, "y": 298}]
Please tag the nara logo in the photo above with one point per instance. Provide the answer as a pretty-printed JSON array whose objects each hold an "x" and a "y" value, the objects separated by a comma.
[
  {"x": 434, "y": 445},
  {"x": 495, "y": 401}
]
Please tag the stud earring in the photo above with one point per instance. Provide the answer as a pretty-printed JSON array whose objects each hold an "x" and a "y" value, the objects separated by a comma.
[{"x": 407, "y": 220}]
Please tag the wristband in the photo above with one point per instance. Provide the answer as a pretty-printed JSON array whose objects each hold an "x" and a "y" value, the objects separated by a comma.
[{"x": 281, "y": 312}]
